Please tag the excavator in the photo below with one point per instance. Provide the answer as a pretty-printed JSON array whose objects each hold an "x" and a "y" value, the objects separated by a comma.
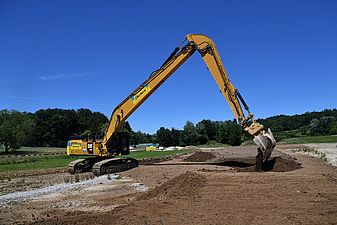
[{"x": 115, "y": 142}]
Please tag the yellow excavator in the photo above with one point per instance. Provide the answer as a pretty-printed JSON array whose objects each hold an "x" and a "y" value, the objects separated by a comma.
[{"x": 116, "y": 142}]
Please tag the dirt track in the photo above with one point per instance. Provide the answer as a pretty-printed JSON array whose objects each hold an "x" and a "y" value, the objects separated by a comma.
[{"x": 196, "y": 192}]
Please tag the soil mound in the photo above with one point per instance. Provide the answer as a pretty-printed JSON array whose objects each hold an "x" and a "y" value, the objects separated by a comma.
[
  {"x": 200, "y": 157},
  {"x": 283, "y": 164},
  {"x": 184, "y": 185}
]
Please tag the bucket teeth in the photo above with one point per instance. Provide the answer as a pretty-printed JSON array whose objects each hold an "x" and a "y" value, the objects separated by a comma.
[{"x": 266, "y": 143}]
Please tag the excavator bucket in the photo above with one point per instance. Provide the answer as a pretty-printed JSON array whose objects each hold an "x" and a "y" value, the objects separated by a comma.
[{"x": 266, "y": 143}]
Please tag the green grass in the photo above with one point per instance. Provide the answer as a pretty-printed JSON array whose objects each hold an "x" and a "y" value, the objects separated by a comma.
[
  {"x": 38, "y": 163},
  {"x": 310, "y": 139},
  {"x": 30, "y": 163},
  {"x": 319, "y": 139}
]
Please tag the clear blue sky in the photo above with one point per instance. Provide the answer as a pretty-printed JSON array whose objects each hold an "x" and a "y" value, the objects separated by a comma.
[{"x": 281, "y": 55}]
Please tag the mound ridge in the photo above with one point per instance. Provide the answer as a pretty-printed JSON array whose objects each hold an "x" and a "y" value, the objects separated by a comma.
[{"x": 185, "y": 185}]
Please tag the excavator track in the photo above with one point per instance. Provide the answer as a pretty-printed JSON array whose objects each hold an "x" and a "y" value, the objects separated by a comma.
[
  {"x": 83, "y": 165},
  {"x": 114, "y": 165}
]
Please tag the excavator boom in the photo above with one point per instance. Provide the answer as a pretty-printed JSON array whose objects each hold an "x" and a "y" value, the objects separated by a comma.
[{"x": 138, "y": 96}]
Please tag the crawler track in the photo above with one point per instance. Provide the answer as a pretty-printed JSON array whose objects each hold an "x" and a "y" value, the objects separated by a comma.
[
  {"x": 114, "y": 165},
  {"x": 83, "y": 165}
]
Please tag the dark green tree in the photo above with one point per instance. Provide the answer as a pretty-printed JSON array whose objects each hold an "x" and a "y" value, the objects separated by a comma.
[
  {"x": 8, "y": 136},
  {"x": 164, "y": 137},
  {"x": 231, "y": 133},
  {"x": 207, "y": 128},
  {"x": 12, "y": 130},
  {"x": 202, "y": 133},
  {"x": 175, "y": 136},
  {"x": 322, "y": 125},
  {"x": 189, "y": 135},
  {"x": 127, "y": 127},
  {"x": 53, "y": 127}
]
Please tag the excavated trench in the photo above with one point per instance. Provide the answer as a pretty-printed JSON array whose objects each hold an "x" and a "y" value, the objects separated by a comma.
[{"x": 281, "y": 163}]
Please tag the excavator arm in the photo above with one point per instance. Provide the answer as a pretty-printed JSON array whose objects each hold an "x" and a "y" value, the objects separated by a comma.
[
  {"x": 264, "y": 139},
  {"x": 139, "y": 95},
  {"x": 207, "y": 49}
]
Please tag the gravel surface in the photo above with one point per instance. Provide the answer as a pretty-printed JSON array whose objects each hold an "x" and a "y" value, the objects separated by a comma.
[
  {"x": 16, "y": 197},
  {"x": 139, "y": 187}
]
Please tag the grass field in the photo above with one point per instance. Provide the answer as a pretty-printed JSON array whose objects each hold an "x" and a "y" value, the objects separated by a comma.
[
  {"x": 37, "y": 163},
  {"x": 319, "y": 139},
  {"x": 30, "y": 163},
  {"x": 310, "y": 139}
]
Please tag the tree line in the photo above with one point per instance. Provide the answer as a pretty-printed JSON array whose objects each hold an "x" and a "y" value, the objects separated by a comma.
[
  {"x": 54, "y": 127},
  {"x": 229, "y": 132},
  {"x": 226, "y": 132},
  {"x": 47, "y": 127}
]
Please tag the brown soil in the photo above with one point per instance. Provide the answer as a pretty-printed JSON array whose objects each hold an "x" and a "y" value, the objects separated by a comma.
[
  {"x": 184, "y": 185},
  {"x": 200, "y": 157},
  {"x": 197, "y": 194},
  {"x": 284, "y": 164}
]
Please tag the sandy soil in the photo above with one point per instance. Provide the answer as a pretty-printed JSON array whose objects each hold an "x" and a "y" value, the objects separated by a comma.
[
  {"x": 329, "y": 149},
  {"x": 213, "y": 188}
]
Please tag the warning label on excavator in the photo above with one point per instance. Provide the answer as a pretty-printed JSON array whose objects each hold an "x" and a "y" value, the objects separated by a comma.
[
  {"x": 140, "y": 94},
  {"x": 75, "y": 145}
]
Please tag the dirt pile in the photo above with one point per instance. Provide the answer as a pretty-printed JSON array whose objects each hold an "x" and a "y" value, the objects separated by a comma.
[
  {"x": 284, "y": 164},
  {"x": 185, "y": 185},
  {"x": 200, "y": 157}
]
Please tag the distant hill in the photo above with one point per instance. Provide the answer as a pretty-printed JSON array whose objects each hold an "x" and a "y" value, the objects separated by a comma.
[
  {"x": 308, "y": 123},
  {"x": 286, "y": 123}
]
